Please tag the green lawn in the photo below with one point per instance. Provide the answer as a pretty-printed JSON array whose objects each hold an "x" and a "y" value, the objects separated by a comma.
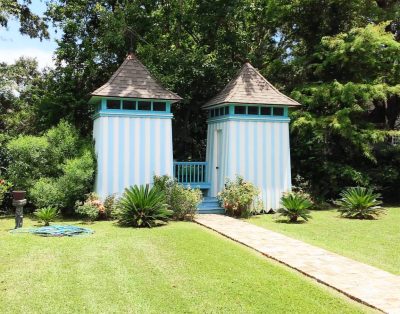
[
  {"x": 178, "y": 268},
  {"x": 374, "y": 242}
]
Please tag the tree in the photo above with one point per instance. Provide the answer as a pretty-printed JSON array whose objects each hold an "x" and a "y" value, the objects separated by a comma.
[
  {"x": 17, "y": 95},
  {"x": 30, "y": 24},
  {"x": 352, "y": 74}
]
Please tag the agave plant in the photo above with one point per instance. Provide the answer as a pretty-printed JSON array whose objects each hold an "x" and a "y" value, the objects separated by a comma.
[
  {"x": 141, "y": 206},
  {"x": 359, "y": 202},
  {"x": 295, "y": 205},
  {"x": 46, "y": 214}
]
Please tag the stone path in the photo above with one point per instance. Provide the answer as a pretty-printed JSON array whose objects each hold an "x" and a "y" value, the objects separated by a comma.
[{"x": 364, "y": 283}]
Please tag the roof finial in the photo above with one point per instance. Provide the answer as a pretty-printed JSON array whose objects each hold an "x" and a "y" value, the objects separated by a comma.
[{"x": 130, "y": 34}]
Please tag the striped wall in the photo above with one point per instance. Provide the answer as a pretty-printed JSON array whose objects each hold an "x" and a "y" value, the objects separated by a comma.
[
  {"x": 130, "y": 150},
  {"x": 258, "y": 150}
]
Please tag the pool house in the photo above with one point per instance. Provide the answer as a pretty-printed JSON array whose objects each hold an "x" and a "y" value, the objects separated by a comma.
[{"x": 247, "y": 135}]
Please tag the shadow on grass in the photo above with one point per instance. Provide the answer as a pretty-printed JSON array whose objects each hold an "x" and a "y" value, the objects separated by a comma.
[{"x": 285, "y": 221}]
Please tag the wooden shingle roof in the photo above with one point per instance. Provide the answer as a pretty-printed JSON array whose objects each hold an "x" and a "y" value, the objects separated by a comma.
[
  {"x": 250, "y": 87},
  {"x": 133, "y": 80}
]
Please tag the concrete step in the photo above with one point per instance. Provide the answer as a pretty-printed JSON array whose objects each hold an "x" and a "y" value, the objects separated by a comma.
[
  {"x": 210, "y": 205},
  {"x": 211, "y": 211}
]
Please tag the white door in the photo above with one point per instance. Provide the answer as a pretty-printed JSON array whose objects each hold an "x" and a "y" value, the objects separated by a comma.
[{"x": 219, "y": 165}]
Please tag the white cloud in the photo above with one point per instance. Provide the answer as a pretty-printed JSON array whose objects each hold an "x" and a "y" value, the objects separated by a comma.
[{"x": 43, "y": 57}]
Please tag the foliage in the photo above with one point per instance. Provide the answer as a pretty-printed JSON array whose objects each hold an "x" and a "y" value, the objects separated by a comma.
[
  {"x": 63, "y": 142},
  {"x": 240, "y": 198},
  {"x": 30, "y": 23},
  {"x": 77, "y": 177},
  {"x": 47, "y": 193},
  {"x": 360, "y": 202},
  {"x": 46, "y": 214},
  {"x": 295, "y": 205},
  {"x": 18, "y": 83},
  {"x": 142, "y": 206},
  {"x": 92, "y": 208},
  {"x": 29, "y": 162},
  {"x": 343, "y": 125},
  {"x": 182, "y": 201},
  {"x": 111, "y": 206},
  {"x": 5, "y": 187},
  {"x": 56, "y": 169}
]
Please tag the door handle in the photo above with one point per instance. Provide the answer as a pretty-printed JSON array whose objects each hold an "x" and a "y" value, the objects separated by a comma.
[{"x": 217, "y": 167}]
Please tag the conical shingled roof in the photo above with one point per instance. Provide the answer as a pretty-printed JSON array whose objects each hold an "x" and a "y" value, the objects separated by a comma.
[
  {"x": 133, "y": 80},
  {"x": 250, "y": 87}
]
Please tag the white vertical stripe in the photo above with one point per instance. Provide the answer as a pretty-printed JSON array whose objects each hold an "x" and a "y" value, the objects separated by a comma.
[
  {"x": 105, "y": 138},
  {"x": 278, "y": 163},
  {"x": 147, "y": 147},
  {"x": 168, "y": 157},
  {"x": 288, "y": 173},
  {"x": 136, "y": 154},
  {"x": 166, "y": 140},
  {"x": 226, "y": 148},
  {"x": 127, "y": 164},
  {"x": 117, "y": 158},
  {"x": 231, "y": 145},
  {"x": 157, "y": 140},
  {"x": 242, "y": 146},
  {"x": 269, "y": 165},
  {"x": 260, "y": 155},
  {"x": 251, "y": 151}
]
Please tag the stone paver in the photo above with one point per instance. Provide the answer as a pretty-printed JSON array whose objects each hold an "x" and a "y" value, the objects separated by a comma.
[{"x": 364, "y": 283}]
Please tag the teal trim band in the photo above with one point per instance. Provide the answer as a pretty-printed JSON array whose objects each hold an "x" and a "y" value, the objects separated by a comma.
[
  {"x": 103, "y": 106},
  {"x": 255, "y": 118},
  {"x": 133, "y": 114}
]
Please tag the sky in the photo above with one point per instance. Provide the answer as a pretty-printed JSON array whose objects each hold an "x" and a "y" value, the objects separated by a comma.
[{"x": 14, "y": 45}]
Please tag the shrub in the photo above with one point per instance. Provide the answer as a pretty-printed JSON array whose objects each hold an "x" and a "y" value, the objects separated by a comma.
[
  {"x": 28, "y": 160},
  {"x": 88, "y": 211},
  {"x": 64, "y": 144},
  {"x": 92, "y": 208},
  {"x": 77, "y": 178},
  {"x": 295, "y": 205},
  {"x": 182, "y": 201},
  {"x": 70, "y": 186},
  {"x": 56, "y": 169},
  {"x": 111, "y": 206},
  {"x": 46, "y": 214},
  {"x": 46, "y": 193},
  {"x": 5, "y": 186},
  {"x": 240, "y": 198},
  {"x": 359, "y": 202},
  {"x": 141, "y": 206}
]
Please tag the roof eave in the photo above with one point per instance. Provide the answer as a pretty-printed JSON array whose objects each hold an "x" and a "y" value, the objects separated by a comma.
[
  {"x": 207, "y": 105},
  {"x": 95, "y": 97}
]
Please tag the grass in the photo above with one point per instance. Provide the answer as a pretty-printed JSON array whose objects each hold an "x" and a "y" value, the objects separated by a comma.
[
  {"x": 374, "y": 242},
  {"x": 179, "y": 268}
]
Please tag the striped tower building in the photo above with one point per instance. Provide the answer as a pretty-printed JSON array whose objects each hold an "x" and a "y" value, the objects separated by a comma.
[
  {"x": 248, "y": 135},
  {"x": 132, "y": 129}
]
